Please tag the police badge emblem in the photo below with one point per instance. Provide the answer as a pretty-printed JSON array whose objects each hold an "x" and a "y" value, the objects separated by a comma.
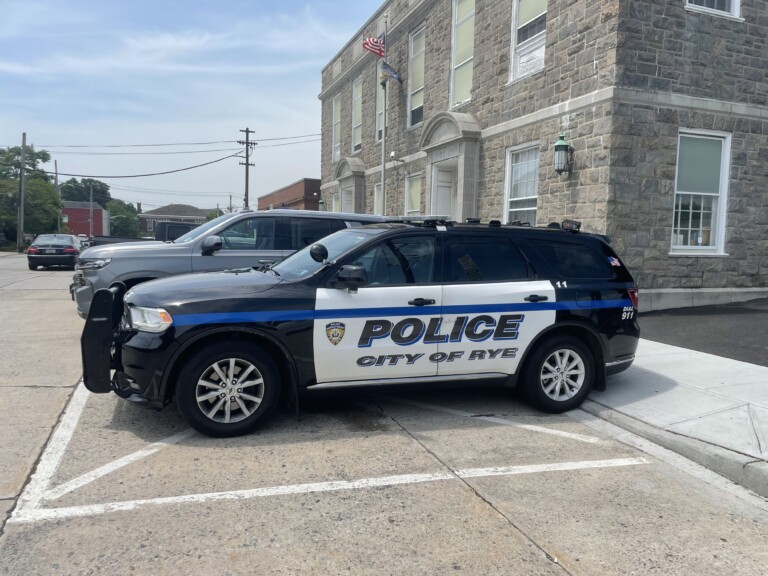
[{"x": 335, "y": 332}]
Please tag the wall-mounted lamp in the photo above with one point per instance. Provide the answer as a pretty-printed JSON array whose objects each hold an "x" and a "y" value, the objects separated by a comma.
[{"x": 563, "y": 156}]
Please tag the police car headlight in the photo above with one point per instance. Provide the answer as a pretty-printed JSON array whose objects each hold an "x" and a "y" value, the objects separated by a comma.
[
  {"x": 93, "y": 264},
  {"x": 150, "y": 319}
]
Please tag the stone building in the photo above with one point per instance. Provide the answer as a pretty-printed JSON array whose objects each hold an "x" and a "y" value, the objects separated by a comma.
[{"x": 664, "y": 104}]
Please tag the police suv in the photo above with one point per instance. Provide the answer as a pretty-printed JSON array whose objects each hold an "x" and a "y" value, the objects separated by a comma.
[{"x": 550, "y": 310}]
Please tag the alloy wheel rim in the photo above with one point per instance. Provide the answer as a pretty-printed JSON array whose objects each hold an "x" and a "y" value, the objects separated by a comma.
[
  {"x": 562, "y": 374},
  {"x": 229, "y": 390}
]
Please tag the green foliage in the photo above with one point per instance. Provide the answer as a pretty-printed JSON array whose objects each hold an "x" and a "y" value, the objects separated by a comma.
[
  {"x": 213, "y": 214},
  {"x": 10, "y": 163},
  {"x": 75, "y": 191},
  {"x": 41, "y": 207},
  {"x": 123, "y": 219}
]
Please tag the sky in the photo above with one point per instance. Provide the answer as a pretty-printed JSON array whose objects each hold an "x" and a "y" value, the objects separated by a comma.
[{"x": 115, "y": 75}]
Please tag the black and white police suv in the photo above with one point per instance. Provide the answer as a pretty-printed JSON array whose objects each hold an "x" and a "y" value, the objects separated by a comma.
[{"x": 552, "y": 311}]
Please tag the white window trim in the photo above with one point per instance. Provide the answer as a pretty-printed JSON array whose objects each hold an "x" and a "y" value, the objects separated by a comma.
[
  {"x": 406, "y": 209},
  {"x": 735, "y": 14},
  {"x": 530, "y": 45},
  {"x": 419, "y": 30},
  {"x": 357, "y": 80},
  {"x": 381, "y": 113},
  {"x": 722, "y": 199},
  {"x": 455, "y": 65},
  {"x": 335, "y": 146},
  {"x": 508, "y": 176}
]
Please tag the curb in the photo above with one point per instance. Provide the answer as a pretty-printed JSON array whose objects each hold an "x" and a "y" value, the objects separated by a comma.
[{"x": 747, "y": 471}]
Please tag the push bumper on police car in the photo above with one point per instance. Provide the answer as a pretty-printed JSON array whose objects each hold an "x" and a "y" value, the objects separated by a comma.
[{"x": 101, "y": 343}]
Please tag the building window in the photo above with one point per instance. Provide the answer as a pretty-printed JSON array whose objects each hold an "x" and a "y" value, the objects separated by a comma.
[
  {"x": 357, "y": 114},
  {"x": 529, "y": 30},
  {"x": 416, "y": 78},
  {"x": 729, "y": 7},
  {"x": 463, "y": 50},
  {"x": 336, "y": 129},
  {"x": 380, "y": 116},
  {"x": 413, "y": 195},
  {"x": 522, "y": 184},
  {"x": 378, "y": 200},
  {"x": 150, "y": 225},
  {"x": 701, "y": 188}
]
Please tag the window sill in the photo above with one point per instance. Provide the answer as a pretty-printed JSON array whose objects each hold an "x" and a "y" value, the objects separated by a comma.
[
  {"x": 715, "y": 13},
  {"x": 695, "y": 254},
  {"x": 517, "y": 79}
]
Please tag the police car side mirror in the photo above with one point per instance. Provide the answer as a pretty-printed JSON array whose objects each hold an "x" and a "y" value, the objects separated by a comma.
[
  {"x": 318, "y": 252},
  {"x": 211, "y": 244},
  {"x": 350, "y": 277}
]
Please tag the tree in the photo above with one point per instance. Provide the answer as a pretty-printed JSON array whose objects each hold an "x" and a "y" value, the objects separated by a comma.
[
  {"x": 41, "y": 207},
  {"x": 10, "y": 163},
  {"x": 213, "y": 214},
  {"x": 123, "y": 219},
  {"x": 75, "y": 191}
]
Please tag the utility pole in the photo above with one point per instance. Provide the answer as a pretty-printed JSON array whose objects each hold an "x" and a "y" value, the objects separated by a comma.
[
  {"x": 90, "y": 218},
  {"x": 230, "y": 203},
  {"x": 58, "y": 193},
  {"x": 247, "y": 162},
  {"x": 20, "y": 231}
]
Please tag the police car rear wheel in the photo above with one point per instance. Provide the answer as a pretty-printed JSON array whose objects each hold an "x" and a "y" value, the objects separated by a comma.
[
  {"x": 227, "y": 389},
  {"x": 559, "y": 375}
]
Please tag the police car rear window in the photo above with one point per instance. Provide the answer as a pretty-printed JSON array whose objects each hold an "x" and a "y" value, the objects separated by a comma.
[
  {"x": 575, "y": 260},
  {"x": 481, "y": 259}
]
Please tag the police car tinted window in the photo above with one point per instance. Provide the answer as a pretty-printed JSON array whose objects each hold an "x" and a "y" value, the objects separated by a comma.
[
  {"x": 405, "y": 260},
  {"x": 575, "y": 260},
  {"x": 485, "y": 259}
]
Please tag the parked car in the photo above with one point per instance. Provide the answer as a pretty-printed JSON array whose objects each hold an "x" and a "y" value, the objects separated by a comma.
[
  {"x": 550, "y": 310},
  {"x": 53, "y": 250},
  {"x": 242, "y": 239},
  {"x": 83, "y": 240}
]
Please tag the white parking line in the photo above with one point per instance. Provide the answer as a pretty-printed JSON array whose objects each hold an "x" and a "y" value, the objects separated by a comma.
[
  {"x": 334, "y": 486},
  {"x": 496, "y": 420},
  {"x": 89, "y": 477}
]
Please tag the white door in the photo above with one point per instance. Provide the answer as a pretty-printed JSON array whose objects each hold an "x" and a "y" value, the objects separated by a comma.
[
  {"x": 347, "y": 197},
  {"x": 444, "y": 192}
]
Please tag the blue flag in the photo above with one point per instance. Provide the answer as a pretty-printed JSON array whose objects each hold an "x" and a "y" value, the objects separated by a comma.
[{"x": 388, "y": 72}]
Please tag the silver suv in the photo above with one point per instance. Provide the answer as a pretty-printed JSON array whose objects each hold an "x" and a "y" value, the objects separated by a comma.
[{"x": 244, "y": 239}]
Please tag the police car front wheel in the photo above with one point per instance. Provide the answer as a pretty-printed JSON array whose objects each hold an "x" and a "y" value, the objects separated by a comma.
[
  {"x": 559, "y": 375},
  {"x": 227, "y": 389}
]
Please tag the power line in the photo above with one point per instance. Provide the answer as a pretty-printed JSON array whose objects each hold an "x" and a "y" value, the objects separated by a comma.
[
  {"x": 141, "y": 189},
  {"x": 152, "y": 174},
  {"x": 147, "y": 153},
  {"x": 168, "y": 144}
]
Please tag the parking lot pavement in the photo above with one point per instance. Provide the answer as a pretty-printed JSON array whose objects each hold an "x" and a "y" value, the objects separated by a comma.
[{"x": 409, "y": 483}]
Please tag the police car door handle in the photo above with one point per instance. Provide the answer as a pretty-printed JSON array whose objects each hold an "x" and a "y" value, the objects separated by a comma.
[
  {"x": 535, "y": 298},
  {"x": 421, "y": 302}
]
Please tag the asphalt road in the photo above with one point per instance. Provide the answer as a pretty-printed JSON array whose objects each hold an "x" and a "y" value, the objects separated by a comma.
[{"x": 737, "y": 331}]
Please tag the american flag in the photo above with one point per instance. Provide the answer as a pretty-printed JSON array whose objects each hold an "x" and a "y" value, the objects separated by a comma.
[
  {"x": 375, "y": 45},
  {"x": 614, "y": 261}
]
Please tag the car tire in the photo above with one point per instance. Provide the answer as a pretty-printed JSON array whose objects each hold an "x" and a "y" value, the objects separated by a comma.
[
  {"x": 559, "y": 375},
  {"x": 212, "y": 400},
  {"x": 32, "y": 266}
]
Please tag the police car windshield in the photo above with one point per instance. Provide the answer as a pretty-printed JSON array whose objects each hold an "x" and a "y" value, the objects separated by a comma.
[{"x": 301, "y": 265}]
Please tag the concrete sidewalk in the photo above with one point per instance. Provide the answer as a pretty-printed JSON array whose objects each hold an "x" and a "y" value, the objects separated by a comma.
[{"x": 710, "y": 409}]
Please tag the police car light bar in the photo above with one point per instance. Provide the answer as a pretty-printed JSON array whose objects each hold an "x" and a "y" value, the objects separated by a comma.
[
  {"x": 571, "y": 225},
  {"x": 423, "y": 220}
]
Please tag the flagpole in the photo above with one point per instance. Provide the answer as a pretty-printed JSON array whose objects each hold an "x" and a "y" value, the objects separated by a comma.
[{"x": 384, "y": 121}]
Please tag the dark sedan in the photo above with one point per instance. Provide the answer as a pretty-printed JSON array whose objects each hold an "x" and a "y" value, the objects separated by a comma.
[{"x": 53, "y": 250}]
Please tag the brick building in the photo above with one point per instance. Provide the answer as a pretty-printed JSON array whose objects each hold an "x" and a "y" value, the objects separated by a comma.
[
  {"x": 664, "y": 103},
  {"x": 301, "y": 195},
  {"x": 78, "y": 218}
]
